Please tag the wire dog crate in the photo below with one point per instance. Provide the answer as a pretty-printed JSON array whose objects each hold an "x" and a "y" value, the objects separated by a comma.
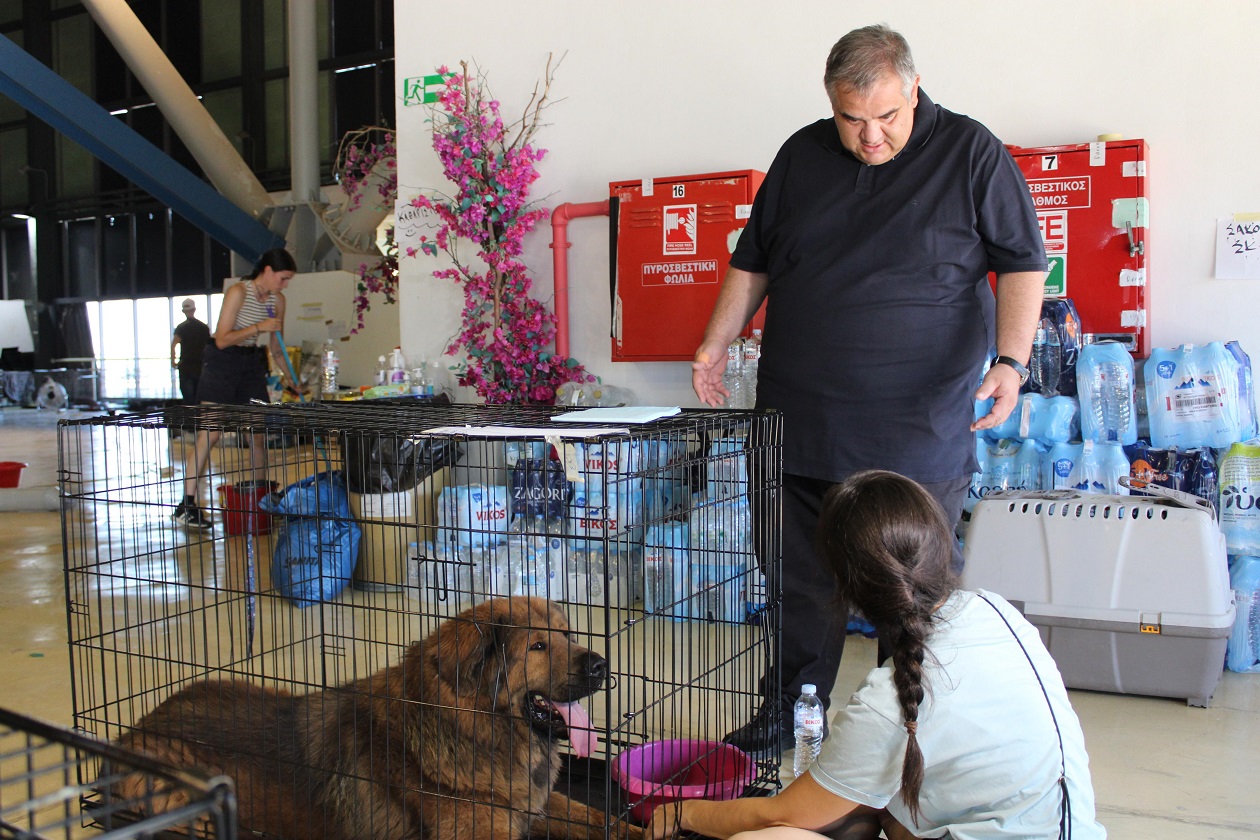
[
  {"x": 55, "y": 783},
  {"x": 653, "y": 541}
]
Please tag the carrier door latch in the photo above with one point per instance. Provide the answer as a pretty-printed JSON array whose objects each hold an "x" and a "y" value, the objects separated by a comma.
[{"x": 1150, "y": 623}]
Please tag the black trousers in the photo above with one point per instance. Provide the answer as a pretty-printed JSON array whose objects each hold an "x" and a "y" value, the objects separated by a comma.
[{"x": 814, "y": 622}]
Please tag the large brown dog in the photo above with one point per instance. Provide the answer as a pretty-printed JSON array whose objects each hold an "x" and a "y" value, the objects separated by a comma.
[{"x": 458, "y": 741}]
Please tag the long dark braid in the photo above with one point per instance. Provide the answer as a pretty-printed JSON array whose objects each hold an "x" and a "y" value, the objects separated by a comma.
[{"x": 889, "y": 546}]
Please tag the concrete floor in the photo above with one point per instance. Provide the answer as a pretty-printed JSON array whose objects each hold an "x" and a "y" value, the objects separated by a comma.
[{"x": 1161, "y": 770}]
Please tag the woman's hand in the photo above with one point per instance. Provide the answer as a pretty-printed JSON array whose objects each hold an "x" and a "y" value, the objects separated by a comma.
[
  {"x": 666, "y": 822},
  {"x": 269, "y": 325}
]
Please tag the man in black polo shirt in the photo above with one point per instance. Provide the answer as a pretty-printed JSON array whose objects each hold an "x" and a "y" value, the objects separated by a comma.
[{"x": 871, "y": 240}]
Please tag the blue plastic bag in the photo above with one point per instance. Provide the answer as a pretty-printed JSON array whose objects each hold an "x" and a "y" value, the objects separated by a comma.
[{"x": 319, "y": 539}]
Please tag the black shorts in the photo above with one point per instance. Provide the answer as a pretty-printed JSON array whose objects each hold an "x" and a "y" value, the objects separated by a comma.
[{"x": 233, "y": 376}]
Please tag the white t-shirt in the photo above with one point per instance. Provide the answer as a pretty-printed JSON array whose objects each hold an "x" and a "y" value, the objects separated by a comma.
[{"x": 990, "y": 752}]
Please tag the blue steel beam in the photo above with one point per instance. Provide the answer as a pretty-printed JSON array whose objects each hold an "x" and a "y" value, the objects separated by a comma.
[{"x": 68, "y": 110}]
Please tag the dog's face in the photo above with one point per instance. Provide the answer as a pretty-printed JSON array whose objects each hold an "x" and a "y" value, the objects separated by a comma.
[{"x": 517, "y": 656}]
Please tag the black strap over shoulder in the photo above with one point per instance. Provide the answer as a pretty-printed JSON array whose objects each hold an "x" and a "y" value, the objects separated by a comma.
[{"x": 1065, "y": 815}]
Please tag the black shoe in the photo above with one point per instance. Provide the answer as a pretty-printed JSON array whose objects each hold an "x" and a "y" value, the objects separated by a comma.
[
  {"x": 189, "y": 514},
  {"x": 766, "y": 736}
]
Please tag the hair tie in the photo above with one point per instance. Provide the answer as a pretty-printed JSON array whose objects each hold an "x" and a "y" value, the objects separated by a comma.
[{"x": 912, "y": 726}]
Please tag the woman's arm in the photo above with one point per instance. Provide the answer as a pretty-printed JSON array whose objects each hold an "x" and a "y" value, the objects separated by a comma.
[{"x": 802, "y": 804}]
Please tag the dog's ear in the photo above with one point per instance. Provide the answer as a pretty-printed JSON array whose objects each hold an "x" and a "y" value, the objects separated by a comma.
[{"x": 470, "y": 654}]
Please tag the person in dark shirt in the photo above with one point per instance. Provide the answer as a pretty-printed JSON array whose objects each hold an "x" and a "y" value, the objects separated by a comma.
[
  {"x": 187, "y": 351},
  {"x": 871, "y": 240}
]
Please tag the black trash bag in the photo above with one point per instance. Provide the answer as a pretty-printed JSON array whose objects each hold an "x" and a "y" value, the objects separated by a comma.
[{"x": 385, "y": 463}]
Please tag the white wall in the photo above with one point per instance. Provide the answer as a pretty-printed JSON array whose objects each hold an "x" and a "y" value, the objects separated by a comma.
[{"x": 653, "y": 88}]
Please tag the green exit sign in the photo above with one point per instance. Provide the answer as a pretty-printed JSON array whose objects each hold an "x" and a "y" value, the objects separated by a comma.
[
  {"x": 1056, "y": 279},
  {"x": 423, "y": 90}
]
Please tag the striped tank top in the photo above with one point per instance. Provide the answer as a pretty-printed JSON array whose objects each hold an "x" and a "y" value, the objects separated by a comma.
[{"x": 252, "y": 311}]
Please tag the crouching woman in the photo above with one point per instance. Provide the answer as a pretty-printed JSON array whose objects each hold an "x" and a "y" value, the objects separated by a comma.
[{"x": 966, "y": 731}]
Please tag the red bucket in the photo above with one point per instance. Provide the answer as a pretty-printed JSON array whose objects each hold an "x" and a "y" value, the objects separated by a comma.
[
  {"x": 240, "y": 507},
  {"x": 11, "y": 473}
]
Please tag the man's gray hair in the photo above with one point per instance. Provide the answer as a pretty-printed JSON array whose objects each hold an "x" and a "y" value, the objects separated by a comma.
[{"x": 861, "y": 58}]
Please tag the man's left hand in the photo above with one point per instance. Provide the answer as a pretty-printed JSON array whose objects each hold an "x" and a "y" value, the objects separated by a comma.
[{"x": 1002, "y": 384}]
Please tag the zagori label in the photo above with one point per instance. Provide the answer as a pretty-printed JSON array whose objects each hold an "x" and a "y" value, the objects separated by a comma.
[
  {"x": 1060, "y": 193},
  {"x": 681, "y": 273}
]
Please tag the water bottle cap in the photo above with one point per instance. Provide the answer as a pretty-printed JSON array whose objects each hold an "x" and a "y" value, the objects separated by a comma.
[{"x": 809, "y": 688}]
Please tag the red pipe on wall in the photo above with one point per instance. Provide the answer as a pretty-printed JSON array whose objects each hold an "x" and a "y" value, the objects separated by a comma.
[{"x": 560, "y": 246}]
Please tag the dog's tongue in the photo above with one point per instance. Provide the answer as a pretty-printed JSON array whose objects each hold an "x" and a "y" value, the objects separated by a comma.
[{"x": 581, "y": 736}]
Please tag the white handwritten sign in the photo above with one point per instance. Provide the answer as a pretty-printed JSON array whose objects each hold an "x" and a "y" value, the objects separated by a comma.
[
  {"x": 1238, "y": 247},
  {"x": 410, "y": 223}
]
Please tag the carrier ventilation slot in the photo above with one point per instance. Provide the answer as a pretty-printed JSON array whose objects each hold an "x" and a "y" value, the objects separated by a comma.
[{"x": 1089, "y": 510}]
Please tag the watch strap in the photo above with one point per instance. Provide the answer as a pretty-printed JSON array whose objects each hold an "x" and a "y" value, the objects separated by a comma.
[{"x": 1013, "y": 363}]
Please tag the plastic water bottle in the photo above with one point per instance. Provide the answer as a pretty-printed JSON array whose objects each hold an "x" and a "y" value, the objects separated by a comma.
[
  {"x": 1242, "y": 652},
  {"x": 382, "y": 371},
  {"x": 331, "y": 364},
  {"x": 748, "y": 375},
  {"x": 1105, "y": 379},
  {"x": 732, "y": 377},
  {"x": 1114, "y": 406},
  {"x": 807, "y": 721},
  {"x": 1047, "y": 358}
]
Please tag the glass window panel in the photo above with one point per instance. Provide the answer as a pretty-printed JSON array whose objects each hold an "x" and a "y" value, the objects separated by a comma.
[
  {"x": 354, "y": 27},
  {"x": 75, "y": 169},
  {"x": 220, "y": 264},
  {"x": 220, "y": 40},
  {"x": 385, "y": 93},
  {"x": 212, "y": 313},
  {"x": 111, "y": 71},
  {"x": 188, "y": 256},
  {"x": 116, "y": 256},
  {"x": 323, "y": 33},
  {"x": 327, "y": 148},
  {"x": 118, "y": 348},
  {"x": 356, "y": 99},
  {"x": 72, "y": 54},
  {"x": 94, "y": 325},
  {"x": 19, "y": 282},
  {"x": 275, "y": 25},
  {"x": 385, "y": 19},
  {"x": 149, "y": 124},
  {"x": 10, "y": 110},
  {"x": 153, "y": 347},
  {"x": 183, "y": 37},
  {"x": 151, "y": 276},
  {"x": 225, "y": 107},
  {"x": 13, "y": 182},
  {"x": 81, "y": 251},
  {"x": 276, "y": 104}
]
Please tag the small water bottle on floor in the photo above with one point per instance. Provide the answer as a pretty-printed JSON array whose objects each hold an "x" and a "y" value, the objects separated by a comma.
[{"x": 807, "y": 720}]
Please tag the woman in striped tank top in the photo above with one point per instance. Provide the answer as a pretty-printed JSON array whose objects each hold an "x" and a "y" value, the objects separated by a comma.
[{"x": 235, "y": 368}]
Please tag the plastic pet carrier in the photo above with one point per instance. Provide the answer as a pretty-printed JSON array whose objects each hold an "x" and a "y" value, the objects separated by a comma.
[{"x": 1131, "y": 594}]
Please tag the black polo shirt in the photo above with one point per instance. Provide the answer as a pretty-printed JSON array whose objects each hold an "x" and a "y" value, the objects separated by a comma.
[{"x": 879, "y": 313}]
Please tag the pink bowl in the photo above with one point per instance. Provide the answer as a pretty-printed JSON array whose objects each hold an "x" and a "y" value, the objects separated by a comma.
[{"x": 660, "y": 772}]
